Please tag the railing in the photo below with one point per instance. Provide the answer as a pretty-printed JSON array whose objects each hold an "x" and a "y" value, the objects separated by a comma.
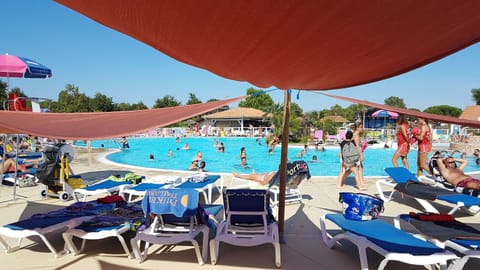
[{"x": 209, "y": 131}]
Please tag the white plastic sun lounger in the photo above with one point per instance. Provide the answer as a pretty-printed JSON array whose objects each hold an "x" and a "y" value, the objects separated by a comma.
[
  {"x": 248, "y": 222},
  {"x": 450, "y": 234},
  {"x": 95, "y": 234},
  {"x": 176, "y": 220},
  {"x": 107, "y": 187},
  {"x": 400, "y": 177},
  {"x": 203, "y": 184},
  {"x": 385, "y": 239},
  {"x": 42, "y": 224},
  {"x": 160, "y": 181}
]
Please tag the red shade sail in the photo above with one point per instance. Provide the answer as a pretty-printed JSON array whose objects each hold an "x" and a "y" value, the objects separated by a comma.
[
  {"x": 103, "y": 124},
  {"x": 428, "y": 116},
  {"x": 309, "y": 44}
]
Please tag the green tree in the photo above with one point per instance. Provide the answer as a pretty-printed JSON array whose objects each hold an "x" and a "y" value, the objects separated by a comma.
[
  {"x": 476, "y": 95},
  {"x": 296, "y": 110},
  {"x": 257, "y": 99},
  {"x": 395, "y": 102},
  {"x": 336, "y": 110},
  {"x": 193, "y": 99},
  {"x": 130, "y": 107},
  {"x": 166, "y": 101},
  {"x": 355, "y": 112},
  {"x": 138, "y": 106},
  {"x": 18, "y": 92},
  {"x": 3, "y": 93},
  {"x": 102, "y": 103},
  {"x": 71, "y": 100},
  {"x": 444, "y": 110}
]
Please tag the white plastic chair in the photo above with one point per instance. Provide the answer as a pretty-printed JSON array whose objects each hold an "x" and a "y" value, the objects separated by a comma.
[{"x": 248, "y": 222}]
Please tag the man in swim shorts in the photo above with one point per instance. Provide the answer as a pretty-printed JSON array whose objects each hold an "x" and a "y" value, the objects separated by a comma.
[{"x": 455, "y": 175}]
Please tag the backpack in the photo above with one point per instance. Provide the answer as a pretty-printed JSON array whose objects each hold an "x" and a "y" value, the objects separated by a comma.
[{"x": 350, "y": 155}]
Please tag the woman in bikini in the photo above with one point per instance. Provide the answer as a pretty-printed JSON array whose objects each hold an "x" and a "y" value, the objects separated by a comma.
[
  {"x": 402, "y": 142},
  {"x": 424, "y": 139}
]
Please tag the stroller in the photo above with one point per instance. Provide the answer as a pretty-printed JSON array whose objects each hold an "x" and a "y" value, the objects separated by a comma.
[{"x": 55, "y": 172}]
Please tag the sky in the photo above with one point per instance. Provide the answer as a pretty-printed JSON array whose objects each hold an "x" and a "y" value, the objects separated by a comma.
[{"x": 95, "y": 58}]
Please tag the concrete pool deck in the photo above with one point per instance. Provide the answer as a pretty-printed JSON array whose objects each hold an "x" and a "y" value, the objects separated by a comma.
[{"x": 303, "y": 247}]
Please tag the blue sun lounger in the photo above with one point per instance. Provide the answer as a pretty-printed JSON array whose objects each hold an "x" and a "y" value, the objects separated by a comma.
[
  {"x": 107, "y": 187},
  {"x": 385, "y": 239},
  {"x": 404, "y": 181},
  {"x": 451, "y": 234}
]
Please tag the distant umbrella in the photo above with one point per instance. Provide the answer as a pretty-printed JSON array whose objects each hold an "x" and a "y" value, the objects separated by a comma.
[
  {"x": 385, "y": 113},
  {"x": 12, "y": 66}
]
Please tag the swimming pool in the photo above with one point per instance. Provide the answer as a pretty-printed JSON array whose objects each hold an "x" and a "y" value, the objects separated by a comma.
[{"x": 258, "y": 159}]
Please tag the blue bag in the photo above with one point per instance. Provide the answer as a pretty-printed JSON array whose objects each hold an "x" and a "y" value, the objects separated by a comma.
[{"x": 360, "y": 206}]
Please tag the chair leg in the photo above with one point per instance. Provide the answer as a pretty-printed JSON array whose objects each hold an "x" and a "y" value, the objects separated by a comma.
[
  {"x": 206, "y": 234},
  {"x": 278, "y": 260},
  {"x": 51, "y": 248},
  {"x": 68, "y": 238},
  {"x": 197, "y": 251},
  {"x": 276, "y": 245},
  {"x": 124, "y": 245},
  {"x": 214, "y": 246},
  {"x": 136, "y": 246}
]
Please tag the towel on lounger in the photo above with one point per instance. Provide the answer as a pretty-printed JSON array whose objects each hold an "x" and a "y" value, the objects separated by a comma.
[{"x": 179, "y": 202}]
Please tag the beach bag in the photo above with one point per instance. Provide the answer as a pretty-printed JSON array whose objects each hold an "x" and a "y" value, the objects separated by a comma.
[
  {"x": 350, "y": 155},
  {"x": 48, "y": 172},
  {"x": 360, "y": 206}
]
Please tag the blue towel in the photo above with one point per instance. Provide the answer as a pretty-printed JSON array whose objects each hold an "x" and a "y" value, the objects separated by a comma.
[{"x": 179, "y": 202}]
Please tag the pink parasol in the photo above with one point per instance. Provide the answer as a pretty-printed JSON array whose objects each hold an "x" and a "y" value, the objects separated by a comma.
[{"x": 385, "y": 113}]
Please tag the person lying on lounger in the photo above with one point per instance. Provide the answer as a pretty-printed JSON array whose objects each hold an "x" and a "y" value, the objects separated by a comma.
[
  {"x": 455, "y": 175},
  {"x": 260, "y": 178},
  {"x": 264, "y": 179},
  {"x": 9, "y": 162}
]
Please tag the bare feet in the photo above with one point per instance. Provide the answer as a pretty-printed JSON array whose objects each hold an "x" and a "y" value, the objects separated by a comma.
[
  {"x": 340, "y": 187},
  {"x": 363, "y": 188}
]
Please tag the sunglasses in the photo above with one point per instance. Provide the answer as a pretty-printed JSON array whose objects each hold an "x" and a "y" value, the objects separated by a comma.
[{"x": 450, "y": 162}]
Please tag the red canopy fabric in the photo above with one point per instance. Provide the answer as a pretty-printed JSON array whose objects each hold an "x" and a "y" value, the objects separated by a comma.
[
  {"x": 100, "y": 125},
  {"x": 309, "y": 44},
  {"x": 429, "y": 116}
]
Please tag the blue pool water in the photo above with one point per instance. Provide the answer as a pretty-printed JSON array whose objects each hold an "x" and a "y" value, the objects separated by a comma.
[{"x": 328, "y": 164}]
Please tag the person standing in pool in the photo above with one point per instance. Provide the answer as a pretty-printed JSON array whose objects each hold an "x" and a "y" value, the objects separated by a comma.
[
  {"x": 125, "y": 144},
  {"x": 403, "y": 137},
  {"x": 243, "y": 152},
  {"x": 201, "y": 166}
]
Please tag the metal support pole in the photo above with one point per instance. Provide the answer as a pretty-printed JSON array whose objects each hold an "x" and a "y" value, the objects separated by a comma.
[{"x": 283, "y": 165}]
